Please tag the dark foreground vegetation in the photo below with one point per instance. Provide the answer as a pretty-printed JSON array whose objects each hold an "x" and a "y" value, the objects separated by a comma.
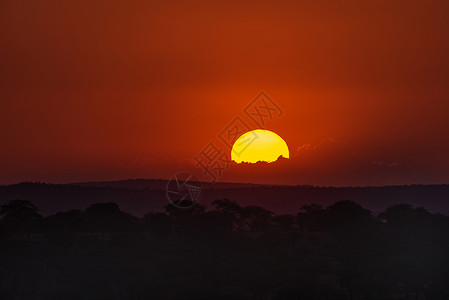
[{"x": 342, "y": 251}]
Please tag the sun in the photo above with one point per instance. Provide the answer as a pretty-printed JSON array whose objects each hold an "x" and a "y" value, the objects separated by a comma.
[{"x": 259, "y": 145}]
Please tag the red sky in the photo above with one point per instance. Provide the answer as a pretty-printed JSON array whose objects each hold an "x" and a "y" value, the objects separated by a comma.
[{"x": 99, "y": 90}]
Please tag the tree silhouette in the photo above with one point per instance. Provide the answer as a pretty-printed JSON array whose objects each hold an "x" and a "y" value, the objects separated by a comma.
[
  {"x": 19, "y": 216},
  {"x": 233, "y": 211},
  {"x": 311, "y": 217},
  {"x": 405, "y": 218},
  {"x": 186, "y": 220},
  {"x": 348, "y": 216},
  {"x": 284, "y": 222},
  {"x": 107, "y": 217},
  {"x": 257, "y": 218},
  {"x": 177, "y": 212},
  {"x": 69, "y": 221}
]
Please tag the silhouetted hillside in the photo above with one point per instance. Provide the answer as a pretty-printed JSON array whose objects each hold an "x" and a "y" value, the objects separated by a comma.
[
  {"x": 140, "y": 196},
  {"x": 288, "y": 199},
  {"x": 52, "y": 198}
]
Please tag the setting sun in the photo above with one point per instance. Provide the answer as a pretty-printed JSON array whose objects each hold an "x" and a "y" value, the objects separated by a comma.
[{"x": 259, "y": 145}]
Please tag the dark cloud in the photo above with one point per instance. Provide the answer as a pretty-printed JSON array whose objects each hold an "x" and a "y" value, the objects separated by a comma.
[{"x": 329, "y": 163}]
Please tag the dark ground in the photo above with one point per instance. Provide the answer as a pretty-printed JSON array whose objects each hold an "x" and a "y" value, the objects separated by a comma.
[{"x": 230, "y": 251}]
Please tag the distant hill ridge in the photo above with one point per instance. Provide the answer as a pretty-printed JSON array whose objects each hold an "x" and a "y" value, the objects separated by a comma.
[{"x": 159, "y": 184}]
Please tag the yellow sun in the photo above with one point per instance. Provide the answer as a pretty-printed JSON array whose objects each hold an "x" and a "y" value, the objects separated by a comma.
[{"x": 259, "y": 145}]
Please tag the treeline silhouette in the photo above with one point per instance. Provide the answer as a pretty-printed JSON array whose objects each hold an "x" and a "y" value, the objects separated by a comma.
[
  {"x": 140, "y": 196},
  {"x": 228, "y": 251}
]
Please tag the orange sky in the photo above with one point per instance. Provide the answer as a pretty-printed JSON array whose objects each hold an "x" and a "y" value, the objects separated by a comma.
[{"x": 98, "y": 90}]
